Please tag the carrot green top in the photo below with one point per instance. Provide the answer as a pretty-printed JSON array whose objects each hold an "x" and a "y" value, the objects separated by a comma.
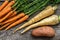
[{"x": 36, "y": 7}]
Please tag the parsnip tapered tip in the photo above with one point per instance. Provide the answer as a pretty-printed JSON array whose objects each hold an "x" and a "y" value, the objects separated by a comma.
[
  {"x": 18, "y": 29},
  {"x": 14, "y": 31},
  {"x": 22, "y": 33}
]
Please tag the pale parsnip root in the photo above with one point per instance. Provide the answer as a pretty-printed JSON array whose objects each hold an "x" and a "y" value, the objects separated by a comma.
[
  {"x": 47, "y": 12},
  {"x": 52, "y": 20}
]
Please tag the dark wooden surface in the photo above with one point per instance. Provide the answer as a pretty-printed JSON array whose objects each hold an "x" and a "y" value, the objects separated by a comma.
[{"x": 7, "y": 35}]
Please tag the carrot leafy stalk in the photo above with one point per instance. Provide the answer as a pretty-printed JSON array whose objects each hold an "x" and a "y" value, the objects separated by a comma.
[
  {"x": 16, "y": 3},
  {"x": 52, "y": 20},
  {"x": 29, "y": 5}
]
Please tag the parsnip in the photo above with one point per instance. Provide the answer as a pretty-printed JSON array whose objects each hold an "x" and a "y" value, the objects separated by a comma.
[
  {"x": 47, "y": 12},
  {"x": 52, "y": 20}
]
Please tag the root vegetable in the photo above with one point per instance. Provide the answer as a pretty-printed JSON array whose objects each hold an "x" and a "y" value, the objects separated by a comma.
[
  {"x": 46, "y": 31},
  {"x": 14, "y": 18},
  {"x": 6, "y": 9},
  {"x": 52, "y": 20},
  {"x": 4, "y": 4},
  {"x": 4, "y": 26},
  {"x": 5, "y": 17},
  {"x": 17, "y": 22},
  {"x": 14, "y": 14}
]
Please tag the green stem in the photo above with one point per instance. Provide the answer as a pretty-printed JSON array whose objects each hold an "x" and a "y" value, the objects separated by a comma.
[
  {"x": 21, "y": 2},
  {"x": 35, "y": 7},
  {"x": 56, "y": 1},
  {"x": 16, "y": 3},
  {"x": 30, "y": 4},
  {"x": 22, "y": 6},
  {"x": 38, "y": 8},
  {"x": 19, "y": 10}
]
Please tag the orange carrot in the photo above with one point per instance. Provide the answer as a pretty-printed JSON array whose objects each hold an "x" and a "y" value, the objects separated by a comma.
[
  {"x": 13, "y": 14},
  {"x": 10, "y": 4},
  {"x": 14, "y": 18},
  {"x": 2, "y": 13},
  {"x": 4, "y": 26},
  {"x": 5, "y": 17},
  {"x": 4, "y": 4},
  {"x": 6, "y": 9},
  {"x": 17, "y": 22}
]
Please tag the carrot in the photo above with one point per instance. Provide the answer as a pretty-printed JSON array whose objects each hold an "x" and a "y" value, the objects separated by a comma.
[
  {"x": 17, "y": 22},
  {"x": 6, "y": 16},
  {"x": 4, "y": 26},
  {"x": 4, "y": 4},
  {"x": 52, "y": 20},
  {"x": 41, "y": 15},
  {"x": 6, "y": 9},
  {"x": 14, "y": 18},
  {"x": 13, "y": 14},
  {"x": 10, "y": 4},
  {"x": 4, "y": 12}
]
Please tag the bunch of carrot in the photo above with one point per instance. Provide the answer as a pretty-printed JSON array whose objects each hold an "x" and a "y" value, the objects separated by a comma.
[{"x": 17, "y": 11}]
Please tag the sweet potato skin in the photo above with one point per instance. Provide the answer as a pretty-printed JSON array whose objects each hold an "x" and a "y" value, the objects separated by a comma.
[{"x": 46, "y": 31}]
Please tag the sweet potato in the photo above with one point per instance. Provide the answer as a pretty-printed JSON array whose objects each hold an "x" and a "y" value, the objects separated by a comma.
[{"x": 44, "y": 31}]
